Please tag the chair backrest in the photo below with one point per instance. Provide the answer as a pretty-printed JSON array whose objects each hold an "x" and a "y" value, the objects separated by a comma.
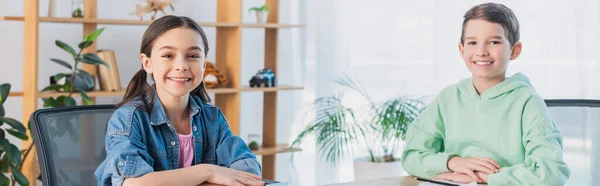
[
  {"x": 579, "y": 121},
  {"x": 70, "y": 142}
]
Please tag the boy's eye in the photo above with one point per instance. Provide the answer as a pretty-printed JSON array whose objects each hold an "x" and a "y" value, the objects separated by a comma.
[
  {"x": 471, "y": 43},
  {"x": 167, "y": 56},
  {"x": 495, "y": 42}
]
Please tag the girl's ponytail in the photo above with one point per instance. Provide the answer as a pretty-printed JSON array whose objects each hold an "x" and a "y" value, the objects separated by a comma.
[{"x": 138, "y": 87}]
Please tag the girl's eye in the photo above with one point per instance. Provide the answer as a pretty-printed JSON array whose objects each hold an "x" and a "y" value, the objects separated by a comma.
[
  {"x": 195, "y": 56},
  {"x": 471, "y": 43},
  {"x": 167, "y": 56}
]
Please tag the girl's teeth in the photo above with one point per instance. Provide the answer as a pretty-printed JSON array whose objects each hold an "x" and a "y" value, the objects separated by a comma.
[
  {"x": 179, "y": 79},
  {"x": 483, "y": 63}
]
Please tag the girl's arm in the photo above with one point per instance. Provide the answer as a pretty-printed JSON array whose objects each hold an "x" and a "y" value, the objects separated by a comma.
[
  {"x": 195, "y": 175},
  {"x": 233, "y": 151},
  {"x": 542, "y": 140}
]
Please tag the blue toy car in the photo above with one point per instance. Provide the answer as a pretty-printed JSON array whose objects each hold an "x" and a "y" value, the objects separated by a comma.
[{"x": 263, "y": 78}]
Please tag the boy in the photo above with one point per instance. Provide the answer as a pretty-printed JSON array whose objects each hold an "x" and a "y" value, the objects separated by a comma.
[{"x": 487, "y": 128}]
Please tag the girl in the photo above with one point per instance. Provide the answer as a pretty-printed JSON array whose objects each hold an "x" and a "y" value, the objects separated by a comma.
[{"x": 167, "y": 133}]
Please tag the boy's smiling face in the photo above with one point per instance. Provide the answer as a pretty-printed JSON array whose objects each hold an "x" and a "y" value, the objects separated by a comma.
[{"x": 486, "y": 50}]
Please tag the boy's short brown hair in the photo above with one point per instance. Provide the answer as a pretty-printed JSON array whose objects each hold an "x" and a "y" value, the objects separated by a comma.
[{"x": 495, "y": 13}]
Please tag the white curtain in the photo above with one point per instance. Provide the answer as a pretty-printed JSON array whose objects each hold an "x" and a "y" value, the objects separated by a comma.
[{"x": 398, "y": 48}]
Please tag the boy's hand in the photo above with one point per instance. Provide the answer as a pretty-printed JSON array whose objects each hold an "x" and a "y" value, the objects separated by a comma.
[
  {"x": 462, "y": 178},
  {"x": 483, "y": 177},
  {"x": 471, "y": 165},
  {"x": 227, "y": 176}
]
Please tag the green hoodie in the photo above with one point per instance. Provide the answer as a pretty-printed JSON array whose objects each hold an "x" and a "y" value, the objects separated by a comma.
[{"x": 508, "y": 123}]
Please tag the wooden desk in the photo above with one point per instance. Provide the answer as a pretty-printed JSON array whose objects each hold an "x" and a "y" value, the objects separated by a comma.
[{"x": 396, "y": 181}]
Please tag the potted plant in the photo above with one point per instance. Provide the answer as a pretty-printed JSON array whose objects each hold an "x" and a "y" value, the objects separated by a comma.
[
  {"x": 262, "y": 13},
  {"x": 10, "y": 155},
  {"x": 83, "y": 81},
  {"x": 378, "y": 127}
]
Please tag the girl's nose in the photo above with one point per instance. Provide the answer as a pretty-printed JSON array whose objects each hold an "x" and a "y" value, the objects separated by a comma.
[{"x": 181, "y": 65}]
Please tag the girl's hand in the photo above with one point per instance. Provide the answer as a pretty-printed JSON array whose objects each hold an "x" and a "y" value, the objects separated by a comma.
[
  {"x": 471, "y": 165},
  {"x": 457, "y": 177},
  {"x": 226, "y": 176}
]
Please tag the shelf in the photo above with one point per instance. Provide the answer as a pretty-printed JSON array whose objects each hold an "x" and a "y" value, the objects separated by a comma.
[
  {"x": 138, "y": 22},
  {"x": 270, "y": 89},
  {"x": 122, "y": 92},
  {"x": 76, "y": 94},
  {"x": 270, "y": 25},
  {"x": 281, "y": 148}
]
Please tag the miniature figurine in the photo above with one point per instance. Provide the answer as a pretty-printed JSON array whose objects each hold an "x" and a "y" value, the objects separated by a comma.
[{"x": 153, "y": 6}]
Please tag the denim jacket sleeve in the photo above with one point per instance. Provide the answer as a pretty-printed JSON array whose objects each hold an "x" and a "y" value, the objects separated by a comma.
[
  {"x": 232, "y": 151},
  {"x": 126, "y": 154}
]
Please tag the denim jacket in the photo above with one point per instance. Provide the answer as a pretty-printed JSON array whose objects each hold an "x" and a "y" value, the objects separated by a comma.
[{"x": 140, "y": 142}]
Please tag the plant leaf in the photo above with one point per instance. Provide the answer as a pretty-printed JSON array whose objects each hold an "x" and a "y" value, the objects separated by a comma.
[
  {"x": 4, "y": 162},
  {"x": 86, "y": 77},
  {"x": 4, "y": 90},
  {"x": 66, "y": 47},
  {"x": 13, "y": 153},
  {"x": 70, "y": 102},
  {"x": 59, "y": 76},
  {"x": 61, "y": 62},
  {"x": 4, "y": 181},
  {"x": 2, "y": 136},
  {"x": 53, "y": 87},
  {"x": 19, "y": 177},
  {"x": 67, "y": 87},
  {"x": 14, "y": 124},
  {"x": 2, "y": 113},
  {"x": 94, "y": 35},
  {"x": 61, "y": 100},
  {"x": 18, "y": 134},
  {"x": 50, "y": 102},
  {"x": 93, "y": 59},
  {"x": 86, "y": 99},
  {"x": 85, "y": 44}
]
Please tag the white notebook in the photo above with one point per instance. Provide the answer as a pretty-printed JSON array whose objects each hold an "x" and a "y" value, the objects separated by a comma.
[{"x": 461, "y": 184}]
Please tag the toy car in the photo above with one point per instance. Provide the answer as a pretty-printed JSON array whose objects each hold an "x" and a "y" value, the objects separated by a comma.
[{"x": 263, "y": 78}]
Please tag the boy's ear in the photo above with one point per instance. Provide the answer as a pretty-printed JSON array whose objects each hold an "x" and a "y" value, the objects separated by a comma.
[
  {"x": 146, "y": 64},
  {"x": 516, "y": 50},
  {"x": 461, "y": 48}
]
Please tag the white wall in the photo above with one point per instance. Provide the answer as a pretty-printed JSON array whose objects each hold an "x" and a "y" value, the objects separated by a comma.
[{"x": 125, "y": 40}]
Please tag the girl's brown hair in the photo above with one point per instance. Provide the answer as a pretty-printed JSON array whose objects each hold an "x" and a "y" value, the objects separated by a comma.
[{"x": 138, "y": 85}]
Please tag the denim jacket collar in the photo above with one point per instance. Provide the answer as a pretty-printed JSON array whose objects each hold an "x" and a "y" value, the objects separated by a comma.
[{"x": 158, "y": 115}]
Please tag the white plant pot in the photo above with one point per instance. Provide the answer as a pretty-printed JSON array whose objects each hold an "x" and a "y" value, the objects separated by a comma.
[
  {"x": 365, "y": 170},
  {"x": 261, "y": 17}
]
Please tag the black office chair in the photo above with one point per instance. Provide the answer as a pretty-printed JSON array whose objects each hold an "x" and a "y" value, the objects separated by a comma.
[
  {"x": 70, "y": 143},
  {"x": 579, "y": 121}
]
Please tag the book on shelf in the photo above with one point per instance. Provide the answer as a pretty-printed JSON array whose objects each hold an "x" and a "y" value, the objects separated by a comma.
[{"x": 108, "y": 78}]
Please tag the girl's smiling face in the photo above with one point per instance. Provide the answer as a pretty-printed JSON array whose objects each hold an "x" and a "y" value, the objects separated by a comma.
[{"x": 177, "y": 62}]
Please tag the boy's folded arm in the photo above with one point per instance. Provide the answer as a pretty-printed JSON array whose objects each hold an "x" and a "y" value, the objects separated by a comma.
[
  {"x": 423, "y": 154},
  {"x": 543, "y": 163}
]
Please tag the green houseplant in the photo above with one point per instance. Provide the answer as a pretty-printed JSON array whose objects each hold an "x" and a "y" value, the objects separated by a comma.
[
  {"x": 261, "y": 13},
  {"x": 78, "y": 80},
  {"x": 10, "y": 156},
  {"x": 379, "y": 127}
]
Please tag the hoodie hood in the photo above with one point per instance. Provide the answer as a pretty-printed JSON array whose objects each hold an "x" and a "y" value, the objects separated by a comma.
[{"x": 510, "y": 84}]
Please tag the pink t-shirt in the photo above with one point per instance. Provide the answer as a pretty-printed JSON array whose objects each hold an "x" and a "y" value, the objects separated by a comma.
[{"x": 186, "y": 150}]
